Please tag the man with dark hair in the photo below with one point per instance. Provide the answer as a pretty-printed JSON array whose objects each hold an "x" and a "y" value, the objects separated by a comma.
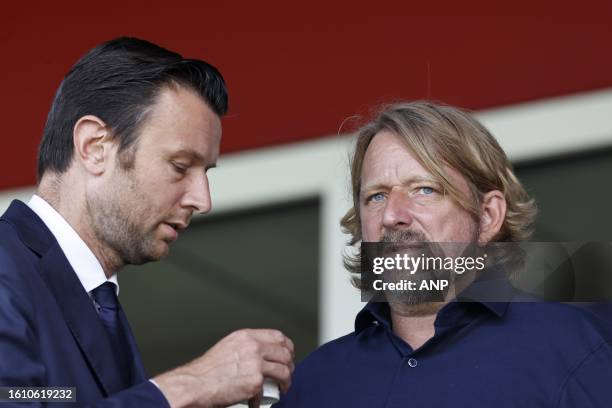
[
  {"x": 122, "y": 167},
  {"x": 428, "y": 175}
]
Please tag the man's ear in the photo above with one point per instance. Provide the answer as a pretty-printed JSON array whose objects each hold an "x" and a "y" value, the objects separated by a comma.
[
  {"x": 493, "y": 214},
  {"x": 92, "y": 143}
]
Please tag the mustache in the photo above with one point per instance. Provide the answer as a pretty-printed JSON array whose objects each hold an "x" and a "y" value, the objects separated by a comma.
[
  {"x": 408, "y": 240},
  {"x": 403, "y": 236}
]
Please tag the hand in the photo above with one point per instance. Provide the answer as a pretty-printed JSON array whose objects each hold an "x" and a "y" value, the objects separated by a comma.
[{"x": 233, "y": 370}]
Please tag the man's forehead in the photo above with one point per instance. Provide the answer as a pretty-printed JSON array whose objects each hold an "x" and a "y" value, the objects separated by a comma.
[
  {"x": 387, "y": 155},
  {"x": 181, "y": 124},
  {"x": 389, "y": 160},
  {"x": 174, "y": 104},
  {"x": 195, "y": 146}
]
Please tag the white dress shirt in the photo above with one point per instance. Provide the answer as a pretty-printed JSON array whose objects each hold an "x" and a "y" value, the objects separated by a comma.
[{"x": 83, "y": 261}]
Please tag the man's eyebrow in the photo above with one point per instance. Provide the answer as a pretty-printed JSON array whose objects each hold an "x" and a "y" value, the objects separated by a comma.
[
  {"x": 193, "y": 155},
  {"x": 377, "y": 185},
  {"x": 190, "y": 153}
]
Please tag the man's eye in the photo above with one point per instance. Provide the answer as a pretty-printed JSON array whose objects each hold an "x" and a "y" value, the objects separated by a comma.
[
  {"x": 376, "y": 197},
  {"x": 426, "y": 190},
  {"x": 179, "y": 168}
]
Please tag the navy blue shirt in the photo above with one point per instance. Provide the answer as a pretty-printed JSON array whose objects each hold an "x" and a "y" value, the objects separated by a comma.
[{"x": 483, "y": 354}]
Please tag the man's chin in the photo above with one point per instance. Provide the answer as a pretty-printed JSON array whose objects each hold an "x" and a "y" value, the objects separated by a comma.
[
  {"x": 154, "y": 253},
  {"x": 425, "y": 308},
  {"x": 417, "y": 302},
  {"x": 162, "y": 250}
]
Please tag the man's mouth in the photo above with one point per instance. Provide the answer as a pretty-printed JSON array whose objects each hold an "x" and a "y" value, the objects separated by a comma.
[
  {"x": 173, "y": 228},
  {"x": 178, "y": 225}
]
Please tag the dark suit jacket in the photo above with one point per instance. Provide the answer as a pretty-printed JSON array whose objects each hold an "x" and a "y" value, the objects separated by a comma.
[{"x": 50, "y": 333}]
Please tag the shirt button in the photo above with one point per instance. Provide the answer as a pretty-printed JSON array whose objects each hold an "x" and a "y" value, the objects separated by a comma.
[{"x": 412, "y": 362}]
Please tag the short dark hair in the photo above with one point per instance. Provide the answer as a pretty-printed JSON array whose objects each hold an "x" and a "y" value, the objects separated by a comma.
[{"x": 118, "y": 81}]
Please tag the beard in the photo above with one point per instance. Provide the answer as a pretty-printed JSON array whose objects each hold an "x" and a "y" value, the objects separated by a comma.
[
  {"x": 415, "y": 244},
  {"x": 119, "y": 224}
]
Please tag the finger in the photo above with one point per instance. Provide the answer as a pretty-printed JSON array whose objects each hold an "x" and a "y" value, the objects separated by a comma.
[
  {"x": 290, "y": 345},
  {"x": 277, "y": 354},
  {"x": 269, "y": 336},
  {"x": 255, "y": 401},
  {"x": 278, "y": 372},
  {"x": 277, "y": 337}
]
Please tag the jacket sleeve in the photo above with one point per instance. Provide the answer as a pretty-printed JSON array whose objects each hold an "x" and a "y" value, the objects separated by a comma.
[{"x": 21, "y": 363}]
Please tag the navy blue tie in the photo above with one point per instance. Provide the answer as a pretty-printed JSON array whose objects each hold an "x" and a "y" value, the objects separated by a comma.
[{"x": 105, "y": 296}]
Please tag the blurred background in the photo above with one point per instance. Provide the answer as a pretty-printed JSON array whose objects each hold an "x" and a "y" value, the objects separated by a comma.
[{"x": 299, "y": 77}]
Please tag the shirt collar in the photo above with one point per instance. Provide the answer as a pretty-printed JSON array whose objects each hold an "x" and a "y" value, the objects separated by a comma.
[
  {"x": 492, "y": 290},
  {"x": 373, "y": 313},
  {"x": 85, "y": 264},
  {"x": 380, "y": 313}
]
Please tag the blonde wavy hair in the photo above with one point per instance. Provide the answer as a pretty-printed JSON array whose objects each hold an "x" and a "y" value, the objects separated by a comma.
[{"x": 438, "y": 135}]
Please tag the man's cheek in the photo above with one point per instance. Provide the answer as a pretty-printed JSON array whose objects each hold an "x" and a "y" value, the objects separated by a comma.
[{"x": 370, "y": 234}]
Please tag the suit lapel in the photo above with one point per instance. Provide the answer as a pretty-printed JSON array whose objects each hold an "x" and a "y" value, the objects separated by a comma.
[
  {"x": 137, "y": 374},
  {"x": 81, "y": 317}
]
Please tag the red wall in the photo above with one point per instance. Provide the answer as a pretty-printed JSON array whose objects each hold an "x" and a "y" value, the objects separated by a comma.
[{"x": 297, "y": 73}]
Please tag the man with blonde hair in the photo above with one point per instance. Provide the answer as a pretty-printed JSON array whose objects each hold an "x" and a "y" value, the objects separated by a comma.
[{"x": 426, "y": 174}]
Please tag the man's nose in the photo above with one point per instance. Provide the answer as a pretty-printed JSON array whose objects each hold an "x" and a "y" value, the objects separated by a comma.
[
  {"x": 397, "y": 214},
  {"x": 197, "y": 196}
]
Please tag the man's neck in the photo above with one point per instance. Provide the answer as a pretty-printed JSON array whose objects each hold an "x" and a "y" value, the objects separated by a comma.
[
  {"x": 50, "y": 190},
  {"x": 415, "y": 324}
]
